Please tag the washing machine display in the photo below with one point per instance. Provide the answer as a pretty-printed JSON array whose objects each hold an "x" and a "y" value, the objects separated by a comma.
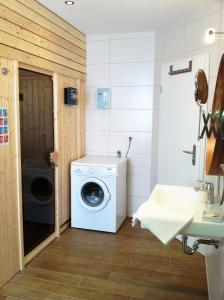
[{"x": 94, "y": 194}]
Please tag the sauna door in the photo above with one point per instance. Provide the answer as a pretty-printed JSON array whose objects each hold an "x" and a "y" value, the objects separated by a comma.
[{"x": 37, "y": 143}]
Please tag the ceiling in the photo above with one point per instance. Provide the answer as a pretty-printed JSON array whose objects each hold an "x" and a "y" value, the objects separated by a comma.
[{"x": 119, "y": 16}]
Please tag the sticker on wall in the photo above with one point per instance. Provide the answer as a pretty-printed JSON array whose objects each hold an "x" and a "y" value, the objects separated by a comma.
[{"x": 4, "y": 128}]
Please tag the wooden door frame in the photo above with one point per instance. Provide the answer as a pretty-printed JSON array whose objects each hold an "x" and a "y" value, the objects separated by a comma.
[{"x": 26, "y": 259}]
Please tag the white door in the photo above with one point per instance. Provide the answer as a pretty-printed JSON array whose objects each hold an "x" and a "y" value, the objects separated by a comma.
[{"x": 178, "y": 125}]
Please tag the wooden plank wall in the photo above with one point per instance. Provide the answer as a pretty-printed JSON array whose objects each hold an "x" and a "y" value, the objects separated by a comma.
[
  {"x": 33, "y": 35},
  {"x": 70, "y": 145},
  {"x": 9, "y": 219},
  {"x": 36, "y": 117},
  {"x": 34, "y": 38}
]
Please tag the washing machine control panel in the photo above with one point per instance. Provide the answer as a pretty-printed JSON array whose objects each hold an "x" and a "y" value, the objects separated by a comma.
[
  {"x": 102, "y": 171},
  {"x": 94, "y": 171}
]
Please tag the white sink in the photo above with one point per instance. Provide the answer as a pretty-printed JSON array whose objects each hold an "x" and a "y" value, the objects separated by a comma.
[
  {"x": 205, "y": 229},
  {"x": 173, "y": 210},
  {"x": 178, "y": 198},
  {"x": 183, "y": 198}
]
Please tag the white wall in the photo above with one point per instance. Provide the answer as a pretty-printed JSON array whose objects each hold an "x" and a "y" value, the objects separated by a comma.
[
  {"x": 125, "y": 64},
  {"x": 128, "y": 64},
  {"x": 182, "y": 41}
]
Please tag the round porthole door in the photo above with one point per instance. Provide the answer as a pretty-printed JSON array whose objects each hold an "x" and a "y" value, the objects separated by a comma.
[{"x": 94, "y": 194}]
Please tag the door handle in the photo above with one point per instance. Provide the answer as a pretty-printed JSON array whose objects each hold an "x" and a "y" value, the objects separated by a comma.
[
  {"x": 54, "y": 158},
  {"x": 193, "y": 153}
]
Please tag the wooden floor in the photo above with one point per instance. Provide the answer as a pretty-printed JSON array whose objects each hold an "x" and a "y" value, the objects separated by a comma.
[{"x": 129, "y": 265}]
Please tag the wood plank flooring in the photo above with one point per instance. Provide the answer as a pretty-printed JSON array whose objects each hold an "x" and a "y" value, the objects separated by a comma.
[{"x": 129, "y": 265}]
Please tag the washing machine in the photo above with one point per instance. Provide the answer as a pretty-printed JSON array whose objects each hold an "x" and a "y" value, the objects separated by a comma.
[
  {"x": 38, "y": 192},
  {"x": 98, "y": 193}
]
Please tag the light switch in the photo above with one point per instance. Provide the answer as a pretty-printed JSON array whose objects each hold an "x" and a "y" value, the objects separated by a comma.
[{"x": 103, "y": 98}]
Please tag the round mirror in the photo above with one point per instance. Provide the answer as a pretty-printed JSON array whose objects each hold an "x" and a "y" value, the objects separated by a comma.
[
  {"x": 215, "y": 145},
  {"x": 201, "y": 87}
]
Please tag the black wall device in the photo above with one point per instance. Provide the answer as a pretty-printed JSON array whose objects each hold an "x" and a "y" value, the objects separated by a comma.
[{"x": 71, "y": 96}]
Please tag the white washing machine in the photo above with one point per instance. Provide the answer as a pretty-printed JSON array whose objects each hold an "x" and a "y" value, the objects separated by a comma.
[{"x": 98, "y": 193}]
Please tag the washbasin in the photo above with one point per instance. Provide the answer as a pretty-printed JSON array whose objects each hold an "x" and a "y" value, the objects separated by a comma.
[
  {"x": 173, "y": 210},
  {"x": 205, "y": 229},
  {"x": 181, "y": 199}
]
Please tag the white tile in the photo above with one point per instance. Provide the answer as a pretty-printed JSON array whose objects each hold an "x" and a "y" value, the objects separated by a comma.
[
  {"x": 159, "y": 47},
  {"x": 157, "y": 73},
  {"x": 138, "y": 186},
  {"x": 175, "y": 42},
  {"x": 216, "y": 51},
  {"x": 93, "y": 153},
  {"x": 91, "y": 97},
  {"x": 141, "y": 142},
  {"x": 140, "y": 97},
  {"x": 98, "y": 120},
  {"x": 195, "y": 35},
  {"x": 98, "y": 75},
  {"x": 131, "y": 120},
  {"x": 132, "y": 74},
  {"x": 156, "y": 97},
  {"x": 132, "y": 35},
  {"x": 213, "y": 20},
  {"x": 97, "y": 37},
  {"x": 139, "y": 165},
  {"x": 132, "y": 50},
  {"x": 97, "y": 141},
  {"x": 98, "y": 52},
  {"x": 133, "y": 203},
  {"x": 195, "y": 31}
]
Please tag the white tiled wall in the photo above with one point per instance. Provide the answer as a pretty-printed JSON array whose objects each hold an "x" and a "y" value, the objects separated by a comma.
[
  {"x": 181, "y": 42},
  {"x": 125, "y": 64}
]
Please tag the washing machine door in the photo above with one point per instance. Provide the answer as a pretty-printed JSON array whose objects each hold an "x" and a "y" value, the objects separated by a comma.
[{"x": 94, "y": 194}]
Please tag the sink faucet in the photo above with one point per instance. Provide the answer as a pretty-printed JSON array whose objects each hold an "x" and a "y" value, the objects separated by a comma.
[
  {"x": 210, "y": 190},
  {"x": 206, "y": 187}
]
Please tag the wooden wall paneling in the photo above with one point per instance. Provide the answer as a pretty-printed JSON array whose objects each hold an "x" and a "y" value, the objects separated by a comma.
[
  {"x": 9, "y": 214},
  {"x": 23, "y": 10},
  {"x": 34, "y": 39},
  {"x": 35, "y": 36},
  {"x": 18, "y": 164},
  {"x": 38, "y": 62},
  {"x": 69, "y": 117},
  {"x": 81, "y": 120},
  {"x": 17, "y": 43},
  {"x": 24, "y": 26},
  {"x": 34, "y": 5},
  {"x": 57, "y": 148}
]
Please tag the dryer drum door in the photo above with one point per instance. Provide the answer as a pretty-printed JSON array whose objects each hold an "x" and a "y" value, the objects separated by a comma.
[{"x": 94, "y": 194}]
